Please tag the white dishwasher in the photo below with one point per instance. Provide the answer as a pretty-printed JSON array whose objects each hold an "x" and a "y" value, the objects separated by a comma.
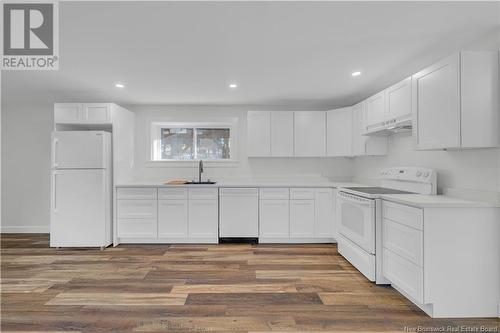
[{"x": 238, "y": 214}]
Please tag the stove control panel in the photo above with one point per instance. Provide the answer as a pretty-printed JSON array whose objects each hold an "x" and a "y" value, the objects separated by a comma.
[{"x": 410, "y": 174}]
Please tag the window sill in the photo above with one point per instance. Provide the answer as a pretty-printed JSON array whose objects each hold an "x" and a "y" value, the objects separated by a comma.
[{"x": 191, "y": 164}]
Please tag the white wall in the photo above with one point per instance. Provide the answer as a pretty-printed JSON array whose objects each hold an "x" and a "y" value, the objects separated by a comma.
[
  {"x": 476, "y": 169},
  {"x": 340, "y": 168},
  {"x": 25, "y": 166}
]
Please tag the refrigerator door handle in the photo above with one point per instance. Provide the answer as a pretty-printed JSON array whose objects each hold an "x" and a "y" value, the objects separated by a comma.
[
  {"x": 54, "y": 192},
  {"x": 54, "y": 149}
]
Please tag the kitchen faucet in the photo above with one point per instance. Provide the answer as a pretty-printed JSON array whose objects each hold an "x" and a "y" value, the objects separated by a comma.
[{"x": 200, "y": 170}]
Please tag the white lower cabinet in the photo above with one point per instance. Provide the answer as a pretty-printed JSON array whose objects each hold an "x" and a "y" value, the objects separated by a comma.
[
  {"x": 203, "y": 220},
  {"x": 137, "y": 218},
  {"x": 404, "y": 275},
  {"x": 167, "y": 215},
  {"x": 200, "y": 215},
  {"x": 274, "y": 219},
  {"x": 301, "y": 218},
  {"x": 443, "y": 259},
  {"x": 323, "y": 217},
  {"x": 296, "y": 215},
  {"x": 173, "y": 218}
]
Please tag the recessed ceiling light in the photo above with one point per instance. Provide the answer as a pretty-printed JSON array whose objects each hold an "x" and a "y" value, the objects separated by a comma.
[
  {"x": 233, "y": 85},
  {"x": 119, "y": 85},
  {"x": 356, "y": 73}
]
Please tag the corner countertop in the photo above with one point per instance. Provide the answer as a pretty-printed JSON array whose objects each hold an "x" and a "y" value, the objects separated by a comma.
[
  {"x": 250, "y": 183},
  {"x": 437, "y": 201}
]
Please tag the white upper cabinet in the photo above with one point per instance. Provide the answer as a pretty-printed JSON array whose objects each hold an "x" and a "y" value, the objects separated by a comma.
[
  {"x": 88, "y": 113},
  {"x": 97, "y": 113},
  {"x": 282, "y": 133},
  {"x": 339, "y": 132},
  {"x": 375, "y": 111},
  {"x": 398, "y": 101},
  {"x": 310, "y": 133},
  {"x": 67, "y": 113},
  {"x": 455, "y": 102},
  {"x": 259, "y": 133}
]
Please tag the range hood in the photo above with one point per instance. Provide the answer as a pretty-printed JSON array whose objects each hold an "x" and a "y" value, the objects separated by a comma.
[{"x": 390, "y": 127}]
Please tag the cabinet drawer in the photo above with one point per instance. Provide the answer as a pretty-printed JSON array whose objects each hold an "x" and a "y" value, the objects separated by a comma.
[
  {"x": 403, "y": 240},
  {"x": 136, "y": 193},
  {"x": 410, "y": 216},
  {"x": 404, "y": 275},
  {"x": 203, "y": 193},
  {"x": 239, "y": 192},
  {"x": 137, "y": 228},
  {"x": 173, "y": 193},
  {"x": 274, "y": 193},
  {"x": 302, "y": 193},
  {"x": 137, "y": 209}
]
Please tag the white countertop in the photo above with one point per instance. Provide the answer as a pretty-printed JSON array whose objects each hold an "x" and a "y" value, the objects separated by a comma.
[
  {"x": 250, "y": 183},
  {"x": 436, "y": 201}
]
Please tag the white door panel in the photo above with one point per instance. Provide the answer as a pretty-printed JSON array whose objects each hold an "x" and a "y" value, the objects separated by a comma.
[
  {"x": 79, "y": 149},
  {"x": 301, "y": 218},
  {"x": 274, "y": 221},
  {"x": 282, "y": 133},
  {"x": 356, "y": 220},
  {"x": 78, "y": 212},
  {"x": 173, "y": 218}
]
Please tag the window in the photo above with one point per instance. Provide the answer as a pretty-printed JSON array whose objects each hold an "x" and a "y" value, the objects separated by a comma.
[{"x": 191, "y": 141}]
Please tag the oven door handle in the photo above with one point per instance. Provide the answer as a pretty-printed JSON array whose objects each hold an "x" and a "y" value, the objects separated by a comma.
[{"x": 355, "y": 199}]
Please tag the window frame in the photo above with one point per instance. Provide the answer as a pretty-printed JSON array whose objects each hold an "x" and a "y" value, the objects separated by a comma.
[{"x": 155, "y": 145}]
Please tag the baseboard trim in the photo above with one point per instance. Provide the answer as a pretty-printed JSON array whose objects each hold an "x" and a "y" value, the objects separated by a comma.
[{"x": 14, "y": 229}]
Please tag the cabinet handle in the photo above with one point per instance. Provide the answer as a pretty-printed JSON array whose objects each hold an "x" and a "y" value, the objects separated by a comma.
[
  {"x": 54, "y": 193},
  {"x": 54, "y": 149}
]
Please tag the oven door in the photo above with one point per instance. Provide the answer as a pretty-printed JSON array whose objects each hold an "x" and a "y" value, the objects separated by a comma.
[{"x": 356, "y": 220}]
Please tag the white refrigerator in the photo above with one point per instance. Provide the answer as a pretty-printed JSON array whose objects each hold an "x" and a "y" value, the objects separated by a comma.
[{"x": 81, "y": 189}]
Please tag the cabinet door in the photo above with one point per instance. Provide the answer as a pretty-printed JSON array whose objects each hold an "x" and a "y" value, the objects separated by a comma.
[
  {"x": 436, "y": 104},
  {"x": 375, "y": 110},
  {"x": 78, "y": 210},
  {"x": 339, "y": 132},
  {"x": 324, "y": 218},
  {"x": 259, "y": 133},
  {"x": 173, "y": 218},
  {"x": 203, "y": 219},
  {"x": 69, "y": 113},
  {"x": 96, "y": 113},
  {"x": 310, "y": 133},
  {"x": 301, "y": 218},
  {"x": 398, "y": 99},
  {"x": 358, "y": 127},
  {"x": 362, "y": 144},
  {"x": 274, "y": 218},
  {"x": 281, "y": 133}
]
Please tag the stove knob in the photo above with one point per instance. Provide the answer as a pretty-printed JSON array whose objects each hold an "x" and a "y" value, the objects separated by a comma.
[{"x": 419, "y": 173}]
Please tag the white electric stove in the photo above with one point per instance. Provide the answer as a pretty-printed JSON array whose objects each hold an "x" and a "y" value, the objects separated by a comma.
[{"x": 360, "y": 220}]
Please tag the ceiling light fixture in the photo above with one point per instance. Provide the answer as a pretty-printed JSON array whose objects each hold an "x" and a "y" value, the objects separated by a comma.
[
  {"x": 356, "y": 73},
  {"x": 233, "y": 85},
  {"x": 119, "y": 85}
]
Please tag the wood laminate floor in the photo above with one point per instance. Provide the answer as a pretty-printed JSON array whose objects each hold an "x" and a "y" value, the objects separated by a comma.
[{"x": 197, "y": 288}]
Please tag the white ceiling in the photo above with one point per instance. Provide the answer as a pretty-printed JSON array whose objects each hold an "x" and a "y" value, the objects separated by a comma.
[{"x": 280, "y": 53}]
